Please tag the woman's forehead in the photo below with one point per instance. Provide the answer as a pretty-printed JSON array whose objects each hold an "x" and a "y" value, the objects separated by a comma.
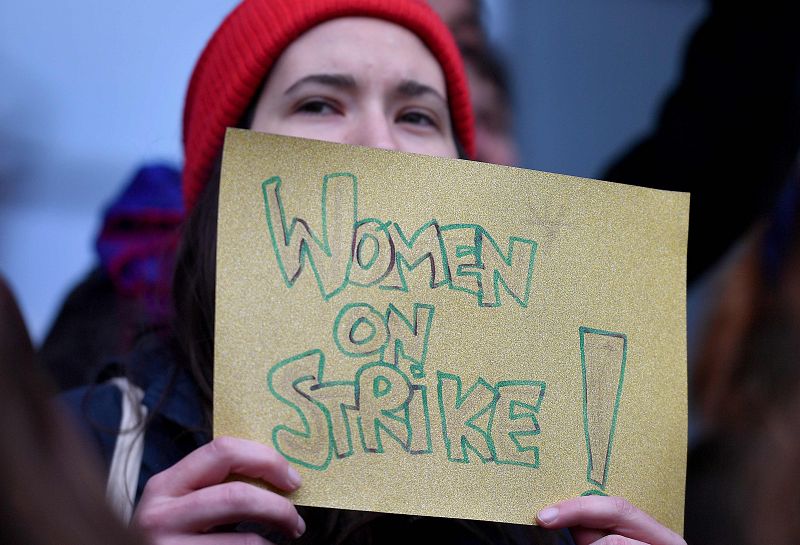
[{"x": 365, "y": 48}]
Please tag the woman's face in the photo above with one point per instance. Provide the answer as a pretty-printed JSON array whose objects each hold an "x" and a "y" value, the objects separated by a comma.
[{"x": 361, "y": 81}]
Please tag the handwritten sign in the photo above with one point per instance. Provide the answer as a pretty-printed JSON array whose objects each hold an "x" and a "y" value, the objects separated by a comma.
[{"x": 450, "y": 338}]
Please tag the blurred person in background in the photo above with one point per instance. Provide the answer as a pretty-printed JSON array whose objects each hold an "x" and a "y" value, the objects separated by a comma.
[
  {"x": 743, "y": 474},
  {"x": 730, "y": 131},
  {"x": 489, "y": 86},
  {"x": 464, "y": 18},
  {"x": 491, "y": 100},
  {"x": 126, "y": 294}
]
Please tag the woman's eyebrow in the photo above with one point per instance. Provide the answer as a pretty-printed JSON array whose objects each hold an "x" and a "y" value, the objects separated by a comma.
[
  {"x": 342, "y": 81},
  {"x": 412, "y": 88}
]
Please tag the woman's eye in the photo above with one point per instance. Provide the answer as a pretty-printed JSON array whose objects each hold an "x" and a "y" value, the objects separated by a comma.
[
  {"x": 316, "y": 107},
  {"x": 417, "y": 118}
]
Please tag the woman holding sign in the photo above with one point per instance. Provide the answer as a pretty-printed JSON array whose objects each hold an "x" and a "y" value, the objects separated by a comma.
[{"x": 377, "y": 73}]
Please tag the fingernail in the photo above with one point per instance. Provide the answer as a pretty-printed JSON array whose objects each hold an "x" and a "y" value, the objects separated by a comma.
[
  {"x": 547, "y": 515},
  {"x": 301, "y": 527},
  {"x": 294, "y": 477}
]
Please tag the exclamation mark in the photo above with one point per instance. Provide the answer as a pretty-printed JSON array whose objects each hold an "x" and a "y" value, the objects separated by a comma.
[{"x": 603, "y": 355}]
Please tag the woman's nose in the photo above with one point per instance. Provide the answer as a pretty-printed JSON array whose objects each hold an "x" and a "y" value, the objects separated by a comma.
[{"x": 374, "y": 130}]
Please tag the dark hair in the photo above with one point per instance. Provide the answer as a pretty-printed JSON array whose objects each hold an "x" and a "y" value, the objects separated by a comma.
[
  {"x": 193, "y": 289},
  {"x": 51, "y": 491}
]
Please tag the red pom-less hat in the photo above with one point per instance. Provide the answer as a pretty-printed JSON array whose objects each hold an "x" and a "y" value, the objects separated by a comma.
[{"x": 253, "y": 36}]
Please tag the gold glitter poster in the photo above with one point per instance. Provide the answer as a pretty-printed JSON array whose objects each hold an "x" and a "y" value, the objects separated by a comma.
[{"x": 450, "y": 338}]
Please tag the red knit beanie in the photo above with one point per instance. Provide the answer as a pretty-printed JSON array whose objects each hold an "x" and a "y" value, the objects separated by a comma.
[{"x": 249, "y": 41}]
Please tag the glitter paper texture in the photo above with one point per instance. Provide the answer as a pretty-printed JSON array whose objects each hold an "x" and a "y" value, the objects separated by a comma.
[{"x": 607, "y": 288}]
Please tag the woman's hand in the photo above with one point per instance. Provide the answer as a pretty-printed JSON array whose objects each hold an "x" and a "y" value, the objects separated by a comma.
[
  {"x": 604, "y": 520},
  {"x": 179, "y": 505}
]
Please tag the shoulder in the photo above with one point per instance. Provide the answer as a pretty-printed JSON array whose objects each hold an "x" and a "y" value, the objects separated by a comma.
[
  {"x": 96, "y": 410},
  {"x": 150, "y": 406}
]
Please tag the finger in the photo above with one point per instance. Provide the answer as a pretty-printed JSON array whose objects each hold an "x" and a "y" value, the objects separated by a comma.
[
  {"x": 212, "y": 463},
  {"x": 221, "y": 504},
  {"x": 586, "y": 536},
  {"x": 613, "y": 514},
  {"x": 218, "y": 539},
  {"x": 590, "y": 536},
  {"x": 617, "y": 540}
]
